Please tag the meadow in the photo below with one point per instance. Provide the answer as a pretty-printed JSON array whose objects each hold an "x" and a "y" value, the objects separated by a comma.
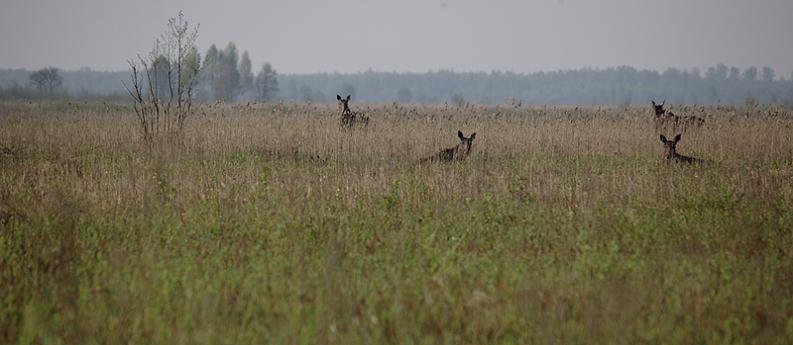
[{"x": 267, "y": 223}]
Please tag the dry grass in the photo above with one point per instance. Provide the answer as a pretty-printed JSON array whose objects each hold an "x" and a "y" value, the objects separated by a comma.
[{"x": 267, "y": 223}]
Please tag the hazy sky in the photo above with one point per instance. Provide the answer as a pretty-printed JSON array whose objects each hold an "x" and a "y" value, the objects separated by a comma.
[{"x": 411, "y": 35}]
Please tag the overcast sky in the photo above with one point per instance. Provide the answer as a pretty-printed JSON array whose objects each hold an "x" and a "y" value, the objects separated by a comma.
[{"x": 299, "y": 36}]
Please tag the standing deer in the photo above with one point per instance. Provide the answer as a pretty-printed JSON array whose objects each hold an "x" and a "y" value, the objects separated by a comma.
[
  {"x": 659, "y": 108},
  {"x": 457, "y": 153},
  {"x": 662, "y": 118},
  {"x": 665, "y": 118},
  {"x": 348, "y": 118},
  {"x": 673, "y": 156}
]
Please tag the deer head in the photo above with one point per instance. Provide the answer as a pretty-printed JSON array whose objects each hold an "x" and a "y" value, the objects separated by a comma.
[
  {"x": 670, "y": 146},
  {"x": 344, "y": 107},
  {"x": 465, "y": 143},
  {"x": 659, "y": 108}
]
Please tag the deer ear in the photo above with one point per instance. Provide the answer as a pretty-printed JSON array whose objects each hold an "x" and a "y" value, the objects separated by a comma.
[
  {"x": 460, "y": 135},
  {"x": 338, "y": 98},
  {"x": 348, "y": 97},
  {"x": 653, "y": 103},
  {"x": 677, "y": 138},
  {"x": 473, "y": 135},
  {"x": 663, "y": 138}
]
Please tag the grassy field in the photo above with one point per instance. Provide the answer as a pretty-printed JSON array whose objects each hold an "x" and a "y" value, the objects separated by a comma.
[{"x": 269, "y": 224}]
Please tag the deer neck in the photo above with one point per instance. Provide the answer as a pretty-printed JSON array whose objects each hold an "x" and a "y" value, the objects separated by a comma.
[
  {"x": 460, "y": 151},
  {"x": 672, "y": 154}
]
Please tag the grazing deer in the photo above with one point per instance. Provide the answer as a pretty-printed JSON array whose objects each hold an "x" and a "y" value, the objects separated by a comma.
[
  {"x": 459, "y": 152},
  {"x": 673, "y": 156},
  {"x": 348, "y": 118}
]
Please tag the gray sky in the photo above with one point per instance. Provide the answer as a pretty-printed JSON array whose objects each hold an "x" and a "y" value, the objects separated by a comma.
[{"x": 299, "y": 36}]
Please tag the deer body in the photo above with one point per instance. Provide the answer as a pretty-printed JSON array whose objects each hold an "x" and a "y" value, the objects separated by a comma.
[
  {"x": 457, "y": 153},
  {"x": 348, "y": 118},
  {"x": 673, "y": 156}
]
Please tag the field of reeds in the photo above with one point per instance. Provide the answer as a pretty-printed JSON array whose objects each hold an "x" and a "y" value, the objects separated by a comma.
[{"x": 268, "y": 224}]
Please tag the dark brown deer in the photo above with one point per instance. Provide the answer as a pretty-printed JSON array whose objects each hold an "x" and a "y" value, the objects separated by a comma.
[
  {"x": 347, "y": 118},
  {"x": 665, "y": 119},
  {"x": 659, "y": 108},
  {"x": 673, "y": 156},
  {"x": 457, "y": 153},
  {"x": 662, "y": 118}
]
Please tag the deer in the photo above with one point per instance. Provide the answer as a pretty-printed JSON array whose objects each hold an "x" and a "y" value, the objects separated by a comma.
[
  {"x": 664, "y": 118},
  {"x": 456, "y": 153},
  {"x": 348, "y": 118},
  {"x": 673, "y": 156}
]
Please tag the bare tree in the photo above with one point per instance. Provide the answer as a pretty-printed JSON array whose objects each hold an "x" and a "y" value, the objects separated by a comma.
[
  {"x": 163, "y": 106},
  {"x": 46, "y": 80}
]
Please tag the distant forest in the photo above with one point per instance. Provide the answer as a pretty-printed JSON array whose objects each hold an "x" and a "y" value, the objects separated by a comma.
[{"x": 588, "y": 86}]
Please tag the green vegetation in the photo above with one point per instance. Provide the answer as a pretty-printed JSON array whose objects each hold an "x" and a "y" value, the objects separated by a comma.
[{"x": 269, "y": 224}]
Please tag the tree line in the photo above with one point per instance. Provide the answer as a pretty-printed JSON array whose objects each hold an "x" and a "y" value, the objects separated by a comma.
[
  {"x": 225, "y": 74},
  {"x": 587, "y": 86}
]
